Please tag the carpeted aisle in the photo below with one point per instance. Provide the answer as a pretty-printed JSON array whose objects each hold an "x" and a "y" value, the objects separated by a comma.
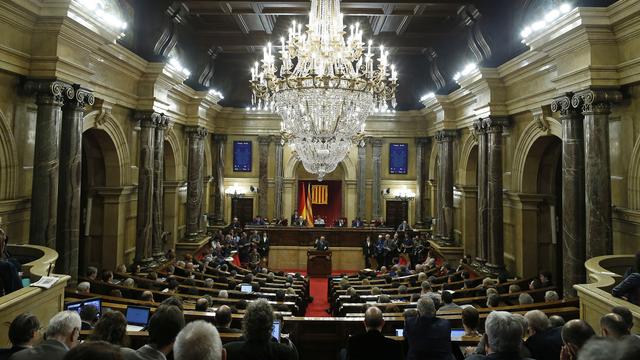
[{"x": 318, "y": 289}]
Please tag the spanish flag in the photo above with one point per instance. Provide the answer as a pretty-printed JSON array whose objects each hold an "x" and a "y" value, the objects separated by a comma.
[{"x": 305, "y": 203}]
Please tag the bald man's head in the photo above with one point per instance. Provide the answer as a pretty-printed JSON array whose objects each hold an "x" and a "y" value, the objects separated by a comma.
[
  {"x": 373, "y": 319},
  {"x": 577, "y": 332}
]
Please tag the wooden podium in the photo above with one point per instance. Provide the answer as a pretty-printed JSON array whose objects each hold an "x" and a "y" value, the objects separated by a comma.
[{"x": 318, "y": 263}]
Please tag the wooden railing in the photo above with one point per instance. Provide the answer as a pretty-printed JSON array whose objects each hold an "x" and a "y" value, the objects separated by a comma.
[
  {"x": 603, "y": 273},
  {"x": 42, "y": 303}
]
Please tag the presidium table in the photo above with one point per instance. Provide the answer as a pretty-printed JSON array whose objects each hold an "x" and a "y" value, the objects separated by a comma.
[{"x": 289, "y": 245}]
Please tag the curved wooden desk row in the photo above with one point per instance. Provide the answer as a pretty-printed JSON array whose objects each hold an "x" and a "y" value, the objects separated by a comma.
[
  {"x": 42, "y": 303},
  {"x": 603, "y": 273},
  {"x": 305, "y": 236}
]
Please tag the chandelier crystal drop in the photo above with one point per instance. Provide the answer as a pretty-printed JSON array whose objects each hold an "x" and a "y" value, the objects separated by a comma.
[{"x": 324, "y": 86}]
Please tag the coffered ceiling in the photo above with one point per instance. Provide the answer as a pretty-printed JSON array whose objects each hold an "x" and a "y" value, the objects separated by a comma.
[{"x": 428, "y": 40}]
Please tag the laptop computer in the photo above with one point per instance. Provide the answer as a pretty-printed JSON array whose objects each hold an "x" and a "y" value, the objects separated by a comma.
[
  {"x": 137, "y": 317},
  {"x": 246, "y": 288},
  {"x": 78, "y": 305}
]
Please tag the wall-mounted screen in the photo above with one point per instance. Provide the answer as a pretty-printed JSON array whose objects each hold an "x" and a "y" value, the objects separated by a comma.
[
  {"x": 242, "y": 156},
  {"x": 398, "y": 158}
]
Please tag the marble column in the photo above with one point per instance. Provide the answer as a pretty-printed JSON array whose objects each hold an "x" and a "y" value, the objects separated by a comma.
[
  {"x": 68, "y": 226},
  {"x": 219, "y": 142},
  {"x": 596, "y": 107},
  {"x": 50, "y": 96},
  {"x": 144, "y": 219},
  {"x": 196, "y": 135},
  {"x": 573, "y": 206},
  {"x": 157, "y": 248},
  {"x": 445, "y": 139},
  {"x": 482, "y": 242},
  {"x": 361, "y": 178},
  {"x": 263, "y": 175},
  {"x": 494, "y": 127},
  {"x": 375, "y": 186},
  {"x": 421, "y": 178},
  {"x": 279, "y": 180}
]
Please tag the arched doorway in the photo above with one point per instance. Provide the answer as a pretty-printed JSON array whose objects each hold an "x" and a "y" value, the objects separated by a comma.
[
  {"x": 542, "y": 177},
  {"x": 98, "y": 152}
]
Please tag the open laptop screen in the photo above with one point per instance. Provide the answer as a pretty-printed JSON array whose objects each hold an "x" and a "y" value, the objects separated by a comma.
[
  {"x": 246, "y": 288},
  {"x": 138, "y": 315}
]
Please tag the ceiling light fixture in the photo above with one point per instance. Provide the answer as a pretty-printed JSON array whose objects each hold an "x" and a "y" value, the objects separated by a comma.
[
  {"x": 427, "y": 96},
  {"x": 550, "y": 17},
  {"x": 102, "y": 12},
  {"x": 176, "y": 65},
  {"x": 325, "y": 86},
  {"x": 468, "y": 69}
]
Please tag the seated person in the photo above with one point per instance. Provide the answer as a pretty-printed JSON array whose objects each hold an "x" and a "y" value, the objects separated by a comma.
[
  {"x": 427, "y": 336},
  {"x": 340, "y": 223},
  {"x": 318, "y": 221},
  {"x": 223, "y": 320},
  {"x": 198, "y": 340},
  {"x": 379, "y": 223},
  {"x": 404, "y": 226},
  {"x": 9, "y": 269},
  {"x": 164, "y": 326},
  {"x": 357, "y": 223},
  {"x": 575, "y": 333},
  {"x": 629, "y": 289},
  {"x": 257, "y": 326},
  {"x": 372, "y": 344},
  {"x": 504, "y": 337},
  {"x": 62, "y": 335},
  {"x": 614, "y": 326},
  {"x": 89, "y": 316},
  {"x": 258, "y": 220},
  {"x": 23, "y": 334},
  {"x": 544, "y": 342}
]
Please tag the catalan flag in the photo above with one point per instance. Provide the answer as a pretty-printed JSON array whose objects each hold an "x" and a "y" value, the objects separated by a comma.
[{"x": 319, "y": 194}]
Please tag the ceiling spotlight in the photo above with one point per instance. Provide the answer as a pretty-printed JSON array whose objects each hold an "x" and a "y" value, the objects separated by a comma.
[{"x": 565, "y": 8}]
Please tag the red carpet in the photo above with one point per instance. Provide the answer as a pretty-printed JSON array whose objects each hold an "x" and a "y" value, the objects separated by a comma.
[{"x": 318, "y": 289}]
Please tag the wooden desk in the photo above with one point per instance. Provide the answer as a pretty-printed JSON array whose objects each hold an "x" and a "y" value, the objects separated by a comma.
[{"x": 305, "y": 236}]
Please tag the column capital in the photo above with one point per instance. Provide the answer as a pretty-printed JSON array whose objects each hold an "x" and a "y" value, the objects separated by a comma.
[
  {"x": 495, "y": 124},
  {"x": 376, "y": 142},
  {"x": 147, "y": 118},
  {"x": 596, "y": 101},
  {"x": 446, "y": 135},
  {"x": 163, "y": 122},
  {"x": 81, "y": 97},
  {"x": 265, "y": 139},
  {"x": 422, "y": 141},
  {"x": 219, "y": 138},
  {"x": 198, "y": 132},
  {"x": 48, "y": 91}
]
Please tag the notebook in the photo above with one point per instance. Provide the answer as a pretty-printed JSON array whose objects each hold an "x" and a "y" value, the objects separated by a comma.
[{"x": 137, "y": 317}]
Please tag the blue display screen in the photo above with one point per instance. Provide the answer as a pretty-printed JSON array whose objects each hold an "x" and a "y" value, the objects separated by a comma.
[
  {"x": 398, "y": 158},
  {"x": 242, "y": 156}
]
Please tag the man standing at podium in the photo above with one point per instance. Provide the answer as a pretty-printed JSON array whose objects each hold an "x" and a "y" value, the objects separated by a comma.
[{"x": 321, "y": 244}]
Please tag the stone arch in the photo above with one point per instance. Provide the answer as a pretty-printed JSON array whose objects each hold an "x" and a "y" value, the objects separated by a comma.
[
  {"x": 468, "y": 160},
  {"x": 173, "y": 171},
  {"x": 532, "y": 132},
  {"x": 117, "y": 162},
  {"x": 8, "y": 161}
]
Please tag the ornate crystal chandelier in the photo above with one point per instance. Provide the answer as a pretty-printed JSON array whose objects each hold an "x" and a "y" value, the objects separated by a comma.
[{"x": 325, "y": 87}]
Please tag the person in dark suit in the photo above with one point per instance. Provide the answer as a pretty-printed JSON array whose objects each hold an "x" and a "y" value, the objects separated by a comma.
[
  {"x": 23, "y": 334},
  {"x": 164, "y": 326},
  {"x": 357, "y": 223},
  {"x": 321, "y": 244},
  {"x": 504, "y": 337},
  {"x": 62, "y": 335},
  {"x": 258, "y": 344},
  {"x": 368, "y": 251},
  {"x": 223, "y": 320},
  {"x": 629, "y": 289},
  {"x": 428, "y": 337},
  {"x": 372, "y": 345},
  {"x": 295, "y": 219},
  {"x": 404, "y": 226},
  {"x": 544, "y": 342}
]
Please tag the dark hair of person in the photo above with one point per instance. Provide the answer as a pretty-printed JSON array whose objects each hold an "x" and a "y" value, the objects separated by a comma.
[
  {"x": 164, "y": 325},
  {"x": 202, "y": 304},
  {"x": 106, "y": 275},
  {"x": 23, "y": 328},
  {"x": 577, "y": 332},
  {"x": 173, "y": 300},
  {"x": 625, "y": 314},
  {"x": 280, "y": 295},
  {"x": 94, "y": 350},
  {"x": 470, "y": 317},
  {"x": 447, "y": 297},
  {"x": 241, "y": 304},
  {"x": 112, "y": 328},
  {"x": 89, "y": 313}
]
